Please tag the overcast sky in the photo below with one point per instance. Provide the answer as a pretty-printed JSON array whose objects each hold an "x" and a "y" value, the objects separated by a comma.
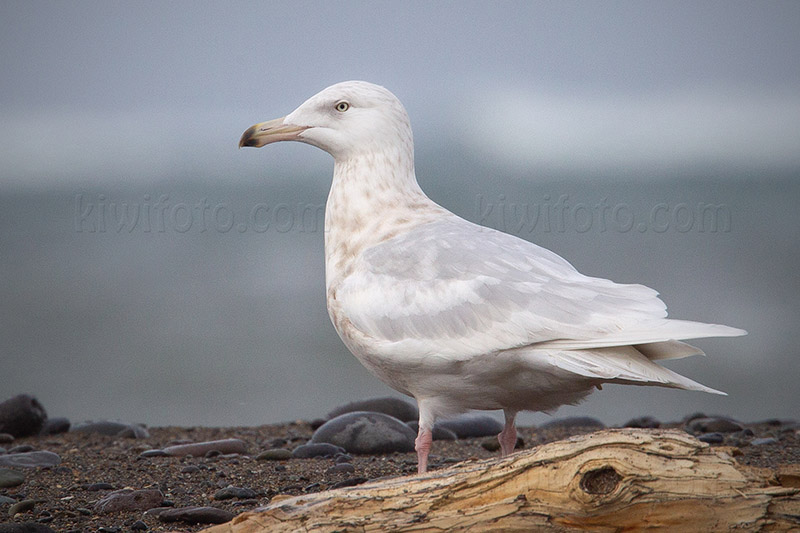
[{"x": 104, "y": 90}]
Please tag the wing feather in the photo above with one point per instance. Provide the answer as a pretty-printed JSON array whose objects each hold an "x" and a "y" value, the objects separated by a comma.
[{"x": 456, "y": 289}]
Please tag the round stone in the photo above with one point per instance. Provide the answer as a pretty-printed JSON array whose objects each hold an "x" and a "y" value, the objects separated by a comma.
[
  {"x": 22, "y": 416},
  {"x": 10, "y": 478},
  {"x": 316, "y": 449},
  {"x": 366, "y": 432},
  {"x": 274, "y": 454},
  {"x": 388, "y": 405}
]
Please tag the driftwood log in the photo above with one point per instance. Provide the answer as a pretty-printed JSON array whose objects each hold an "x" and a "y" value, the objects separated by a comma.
[{"x": 613, "y": 480}]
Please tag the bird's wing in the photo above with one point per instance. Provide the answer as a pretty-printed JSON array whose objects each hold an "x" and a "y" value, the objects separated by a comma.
[{"x": 456, "y": 289}]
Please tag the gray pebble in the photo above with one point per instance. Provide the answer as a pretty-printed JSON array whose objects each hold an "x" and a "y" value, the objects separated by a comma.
[
  {"x": 153, "y": 453},
  {"x": 711, "y": 438},
  {"x": 5, "y": 500},
  {"x": 129, "y": 500},
  {"x": 388, "y": 405},
  {"x": 191, "y": 469},
  {"x": 139, "y": 526},
  {"x": 94, "y": 487},
  {"x": 22, "y": 416},
  {"x": 274, "y": 454},
  {"x": 21, "y": 507},
  {"x": 112, "y": 428},
  {"x": 200, "y": 449},
  {"x": 316, "y": 449},
  {"x": 343, "y": 458},
  {"x": 713, "y": 425},
  {"x": 5, "y": 438},
  {"x": 473, "y": 426},
  {"x": 196, "y": 515},
  {"x": 30, "y": 459},
  {"x": 351, "y": 482},
  {"x": 22, "y": 448},
  {"x": 645, "y": 422},
  {"x": 10, "y": 478},
  {"x": 571, "y": 422},
  {"x": 366, "y": 432},
  {"x": 339, "y": 468},
  {"x": 763, "y": 441},
  {"x": 24, "y": 527},
  {"x": 230, "y": 493},
  {"x": 54, "y": 426}
]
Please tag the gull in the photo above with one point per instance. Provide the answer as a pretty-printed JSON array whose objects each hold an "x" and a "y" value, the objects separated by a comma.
[{"x": 457, "y": 315}]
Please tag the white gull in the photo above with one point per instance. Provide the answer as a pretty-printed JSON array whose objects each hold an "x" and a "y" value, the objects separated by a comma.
[{"x": 458, "y": 315}]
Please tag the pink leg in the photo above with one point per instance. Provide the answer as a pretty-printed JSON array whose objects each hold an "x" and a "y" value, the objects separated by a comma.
[
  {"x": 508, "y": 437},
  {"x": 423, "y": 446}
]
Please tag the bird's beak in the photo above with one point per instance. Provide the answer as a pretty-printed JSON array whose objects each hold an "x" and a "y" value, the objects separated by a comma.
[{"x": 269, "y": 132}]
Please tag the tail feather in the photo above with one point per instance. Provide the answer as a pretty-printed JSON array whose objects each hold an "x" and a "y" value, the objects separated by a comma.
[
  {"x": 624, "y": 364},
  {"x": 652, "y": 331}
]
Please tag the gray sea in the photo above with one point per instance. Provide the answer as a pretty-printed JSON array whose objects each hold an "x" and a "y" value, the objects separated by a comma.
[{"x": 199, "y": 303}]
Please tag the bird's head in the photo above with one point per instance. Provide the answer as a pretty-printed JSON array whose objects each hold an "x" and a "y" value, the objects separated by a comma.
[{"x": 346, "y": 119}]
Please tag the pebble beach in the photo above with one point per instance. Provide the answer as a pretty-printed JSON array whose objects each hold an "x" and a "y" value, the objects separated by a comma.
[{"x": 114, "y": 476}]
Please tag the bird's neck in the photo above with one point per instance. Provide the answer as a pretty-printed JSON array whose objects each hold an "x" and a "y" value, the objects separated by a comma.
[{"x": 374, "y": 197}]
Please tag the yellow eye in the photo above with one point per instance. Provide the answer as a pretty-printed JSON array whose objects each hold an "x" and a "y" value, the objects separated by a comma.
[{"x": 341, "y": 107}]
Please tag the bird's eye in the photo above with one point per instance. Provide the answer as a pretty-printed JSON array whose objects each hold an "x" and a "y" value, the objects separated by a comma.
[{"x": 341, "y": 107}]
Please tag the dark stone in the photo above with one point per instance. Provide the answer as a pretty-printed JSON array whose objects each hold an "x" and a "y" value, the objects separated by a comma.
[
  {"x": 350, "y": 482},
  {"x": 388, "y": 405},
  {"x": 317, "y": 422},
  {"x": 230, "y": 493},
  {"x": 54, "y": 426},
  {"x": 339, "y": 468},
  {"x": 275, "y": 454},
  {"x": 366, "y": 432},
  {"x": 711, "y": 438},
  {"x": 129, "y": 500},
  {"x": 24, "y": 527},
  {"x": 191, "y": 469},
  {"x": 5, "y": 500},
  {"x": 763, "y": 441},
  {"x": 22, "y": 416},
  {"x": 316, "y": 449},
  {"x": 22, "y": 448},
  {"x": 693, "y": 416},
  {"x": 30, "y": 459},
  {"x": 572, "y": 422},
  {"x": 112, "y": 428},
  {"x": 196, "y": 515},
  {"x": 342, "y": 458},
  {"x": 139, "y": 526},
  {"x": 439, "y": 432},
  {"x": 21, "y": 507},
  {"x": 200, "y": 449},
  {"x": 5, "y": 438},
  {"x": 713, "y": 425},
  {"x": 472, "y": 426},
  {"x": 93, "y": 487},
  {"x": 10, "y": 478},
  {"x": 644, "y": 422},
  {"x": 153, "y": 453}
]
